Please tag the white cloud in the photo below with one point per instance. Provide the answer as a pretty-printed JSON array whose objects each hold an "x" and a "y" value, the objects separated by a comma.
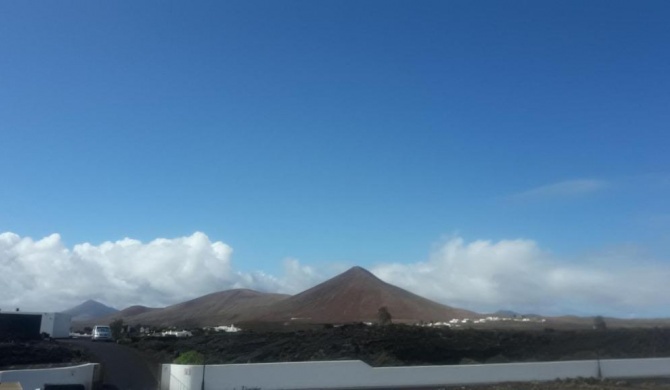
[
  {"x": 298, "y": 277},
  {"x": 568, "y": 188},
  {"x": 294, "y": 279},
  {"x": 479, "y": 275},
  {"x": 45, "y": 275},
  {"x": 518, "y": 275}
]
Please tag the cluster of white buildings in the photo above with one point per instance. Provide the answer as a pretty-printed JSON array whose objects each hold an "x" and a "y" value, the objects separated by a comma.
[
  {"x": 226, "y": 328},
  {"x": 177, "y": 333},
  {"x": 458, "y": 322},
  {"x": 186, "y": 333},
  {"x": 454, "y": 323}
]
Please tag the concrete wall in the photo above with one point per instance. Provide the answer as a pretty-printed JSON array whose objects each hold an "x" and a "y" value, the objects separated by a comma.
[
  {"x": 36, "y": 379},
  {"x": 356, "y": 374},
  {"x": 57, "y": 325},
  {"x": 635, "y": 368},
  {"x": 183, "y": 377}
]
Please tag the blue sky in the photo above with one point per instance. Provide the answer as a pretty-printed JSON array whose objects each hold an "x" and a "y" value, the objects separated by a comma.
[{"x": 344, "y": 133}]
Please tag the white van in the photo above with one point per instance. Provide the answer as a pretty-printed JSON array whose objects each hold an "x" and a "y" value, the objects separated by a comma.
[{"x": 101, "y": 333}]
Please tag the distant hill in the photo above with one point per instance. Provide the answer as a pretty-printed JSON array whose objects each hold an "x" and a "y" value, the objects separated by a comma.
[
  {"x": 353, "y": 296},
  {"x": 220, "y": 308},
  {"x": 506, "y": 314},
  {"x": 356, "y": 296},
  {"x": 135, "y": 311},
  {"x": 513, "y": 314},
  {"x": 90, "y": 310},
  {"x": 124, "y": 314}
]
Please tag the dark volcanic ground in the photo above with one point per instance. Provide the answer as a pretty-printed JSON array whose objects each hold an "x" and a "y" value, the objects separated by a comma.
[
  {"x": 398, "y": 345},
  {"x": 393, "y": 345},
  {"x": 22, "y": 354}
]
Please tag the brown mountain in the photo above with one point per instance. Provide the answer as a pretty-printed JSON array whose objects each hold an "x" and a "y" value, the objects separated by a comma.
[
  {"x": 135, "y": 311},
  {"x": 90, "y": 310},
  {"x": 220, "y": 308},
  {"x": 124, "y": 314},
  {"x": 356, "y": 295},
  {"x": 353, "y": 296}
]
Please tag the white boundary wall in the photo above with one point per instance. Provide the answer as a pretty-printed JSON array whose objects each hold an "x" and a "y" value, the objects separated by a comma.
[
  {"x": 184, "y": 377},
  {"x": 57, "y": 325},
  {"x": 37, "y": 378},
  {"x": 635, "y": 368},
  {"x": 358, "y": 375}
]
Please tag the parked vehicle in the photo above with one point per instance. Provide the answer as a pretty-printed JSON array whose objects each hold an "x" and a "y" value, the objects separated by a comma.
[{"x": 101, "y": 333}]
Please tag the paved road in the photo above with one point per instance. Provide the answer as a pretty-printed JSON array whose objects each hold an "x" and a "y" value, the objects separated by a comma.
[{"x": 123, "y": 367}]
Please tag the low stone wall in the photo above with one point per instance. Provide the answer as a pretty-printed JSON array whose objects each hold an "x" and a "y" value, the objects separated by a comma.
[
  {"x": 30, "y": 379},
  {"x": 358, "y": 375}
]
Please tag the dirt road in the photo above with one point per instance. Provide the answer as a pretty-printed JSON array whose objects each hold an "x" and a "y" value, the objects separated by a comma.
[{"x": 124, "y": 368}]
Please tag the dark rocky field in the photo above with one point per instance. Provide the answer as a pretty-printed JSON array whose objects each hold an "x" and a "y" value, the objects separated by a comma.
[
  {"x": 40, "y": 353},
  {"x": 399, "y": 345},
  {"x": 394, "y": 345}
]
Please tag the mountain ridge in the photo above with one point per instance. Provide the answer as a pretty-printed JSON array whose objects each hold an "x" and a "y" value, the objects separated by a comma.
[
  {"x": 355, "y": 295},
  {"x": 90, "y": 309}
]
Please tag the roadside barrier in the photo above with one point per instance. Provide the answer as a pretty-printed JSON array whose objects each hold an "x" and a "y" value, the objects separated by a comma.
[
  {"x": 355, "y": 374},
  {"x": 84, "y": 375}
]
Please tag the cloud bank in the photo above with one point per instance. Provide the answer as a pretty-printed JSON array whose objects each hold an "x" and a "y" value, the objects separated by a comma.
[
  {"x": 518, "y": 275},
  {"x": 479, "y": 275},
  {"x": 44, "y": 274}
]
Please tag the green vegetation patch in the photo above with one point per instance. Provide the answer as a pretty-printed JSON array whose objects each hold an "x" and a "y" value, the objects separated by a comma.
[{"x": 190, "y": 357}]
